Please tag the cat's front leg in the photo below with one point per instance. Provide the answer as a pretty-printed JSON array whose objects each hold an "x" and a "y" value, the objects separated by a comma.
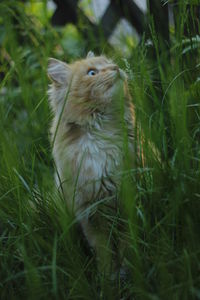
[{"x": 99, "y": 238}]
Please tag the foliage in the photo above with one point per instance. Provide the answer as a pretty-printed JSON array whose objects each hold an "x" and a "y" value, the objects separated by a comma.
[{"x": 43, "y": 253}]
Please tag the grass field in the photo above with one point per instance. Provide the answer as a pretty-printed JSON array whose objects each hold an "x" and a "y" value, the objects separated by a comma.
[{"x": 43, "y": 254}]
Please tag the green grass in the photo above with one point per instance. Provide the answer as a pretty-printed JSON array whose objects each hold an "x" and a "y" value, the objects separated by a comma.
[{"x": 43, "y": 254}]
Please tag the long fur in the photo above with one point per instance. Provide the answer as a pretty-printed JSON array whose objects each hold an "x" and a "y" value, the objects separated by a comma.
[{"x": 88, "y": 135}]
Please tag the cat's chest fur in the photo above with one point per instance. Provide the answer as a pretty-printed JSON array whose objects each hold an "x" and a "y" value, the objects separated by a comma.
[{"x": 91, "y": 156}]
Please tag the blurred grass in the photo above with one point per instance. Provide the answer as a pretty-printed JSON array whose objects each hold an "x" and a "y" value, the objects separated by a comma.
[{"x": 42, "y": 253}]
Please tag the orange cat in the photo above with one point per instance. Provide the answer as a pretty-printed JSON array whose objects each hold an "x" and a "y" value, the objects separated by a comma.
[{"x": 92, "y": 108}]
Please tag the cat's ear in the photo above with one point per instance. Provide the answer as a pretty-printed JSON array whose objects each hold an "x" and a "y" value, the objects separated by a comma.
[
  {"x": 58, "y": 71},
  {"x": 90, "y": 54}
]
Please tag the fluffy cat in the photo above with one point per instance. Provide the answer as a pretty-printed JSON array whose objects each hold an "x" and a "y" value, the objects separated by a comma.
[{"x": 92, "y": 117}]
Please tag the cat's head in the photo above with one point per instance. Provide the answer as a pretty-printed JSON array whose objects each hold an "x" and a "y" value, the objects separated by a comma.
[{"x": 84, "y": 87}]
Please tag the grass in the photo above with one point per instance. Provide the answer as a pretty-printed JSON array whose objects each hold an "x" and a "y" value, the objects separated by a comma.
[{"x": 43, "y": 254}]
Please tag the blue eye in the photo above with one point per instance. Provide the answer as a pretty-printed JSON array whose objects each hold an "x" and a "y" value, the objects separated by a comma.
[{"x": 92, "y": 72}]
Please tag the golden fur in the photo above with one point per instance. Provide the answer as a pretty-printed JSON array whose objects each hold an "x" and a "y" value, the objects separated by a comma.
[{"x": 88, "y": 141}]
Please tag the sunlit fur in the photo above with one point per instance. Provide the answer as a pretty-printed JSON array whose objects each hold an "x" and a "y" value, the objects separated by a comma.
[{"x": 94, "y": 114}]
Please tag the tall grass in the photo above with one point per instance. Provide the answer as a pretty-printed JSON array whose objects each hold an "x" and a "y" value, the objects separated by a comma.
[{"x": 43, "y": 253}]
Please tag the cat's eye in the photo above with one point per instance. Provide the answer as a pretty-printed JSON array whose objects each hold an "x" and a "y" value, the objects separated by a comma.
[{"x": 92, "y": 72}]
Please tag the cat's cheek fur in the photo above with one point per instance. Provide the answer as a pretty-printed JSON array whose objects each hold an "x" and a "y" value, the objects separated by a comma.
[
  {"x": 57, "y": 97},
  {"x": 112, "y": 94}
]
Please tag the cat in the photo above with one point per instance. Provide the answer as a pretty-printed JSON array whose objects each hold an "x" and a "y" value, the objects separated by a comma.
[{"x": 92, "y": 112}]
